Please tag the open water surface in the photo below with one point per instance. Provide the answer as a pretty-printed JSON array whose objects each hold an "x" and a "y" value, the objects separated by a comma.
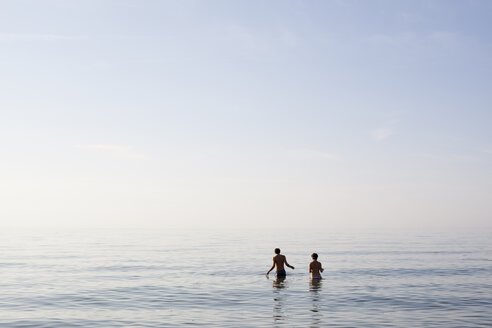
[{"x": 122, "y": 278}]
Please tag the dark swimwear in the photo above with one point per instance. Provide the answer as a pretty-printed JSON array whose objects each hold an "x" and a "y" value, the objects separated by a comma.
[{"x": 281, "y": 273}]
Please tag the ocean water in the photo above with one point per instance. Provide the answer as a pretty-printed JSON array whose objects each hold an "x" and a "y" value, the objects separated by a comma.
[{"x": 159, "y": 278}]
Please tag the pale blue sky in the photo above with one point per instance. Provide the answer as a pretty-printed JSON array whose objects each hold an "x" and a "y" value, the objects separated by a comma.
[{"x": 246, "y": 113}]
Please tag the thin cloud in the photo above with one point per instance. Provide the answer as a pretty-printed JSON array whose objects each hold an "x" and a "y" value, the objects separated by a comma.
[
  {"x": 256, "y": 44},
  {"x": 245, "y": 38},
  {"x": 381, "y": 133},
  {"x": 290, "y": 39},
  {"x": 381, "y": 39},
  {"x": 38, "y": 37},
  {"x": 124, "y": 151},
  {"x": 385, "y": 131},
  {"x": 441, "y": 38},
  {"x": 312, "y": 154},
  {"x": 445, "y": 38}
]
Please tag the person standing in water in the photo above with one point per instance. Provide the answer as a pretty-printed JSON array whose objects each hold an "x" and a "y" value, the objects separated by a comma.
[
  {"x": 315, "y": 267},
  {"x": 279, "y": 261}
]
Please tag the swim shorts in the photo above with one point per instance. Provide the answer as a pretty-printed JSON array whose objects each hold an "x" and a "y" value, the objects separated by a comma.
[{"x": 281, "y": 273}]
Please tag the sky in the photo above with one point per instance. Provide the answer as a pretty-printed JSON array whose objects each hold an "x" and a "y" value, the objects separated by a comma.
[{"x": 246, "y": 114}]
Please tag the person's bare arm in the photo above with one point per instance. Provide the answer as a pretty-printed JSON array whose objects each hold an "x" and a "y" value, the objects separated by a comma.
[
  {"x": 310, "y": 269},
  {"x": 320, "y": 268},
  {"x": 287, "y": 264},
  {"x": 273, "y": 266}
]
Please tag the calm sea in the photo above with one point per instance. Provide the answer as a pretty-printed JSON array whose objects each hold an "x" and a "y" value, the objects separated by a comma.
[{"x": 123, "y": 278}]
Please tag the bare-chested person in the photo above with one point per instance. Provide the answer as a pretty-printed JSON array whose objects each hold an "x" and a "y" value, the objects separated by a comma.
[
  {"x": 278, "y": 261},
  {"x": 315, "y": 267}
]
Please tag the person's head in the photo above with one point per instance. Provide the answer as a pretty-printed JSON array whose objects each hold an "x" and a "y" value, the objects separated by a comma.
[
  {"x": 314, "y": 256},
  {"x": 277, "y": 250}
]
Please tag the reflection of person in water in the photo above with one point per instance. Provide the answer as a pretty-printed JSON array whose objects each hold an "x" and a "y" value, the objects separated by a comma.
[
  {"x": 279, "y": 299},
  {"x": 315, "y": 267},
  {"x": 316, "y": 313},
  {"x": 279, "y": 261}
]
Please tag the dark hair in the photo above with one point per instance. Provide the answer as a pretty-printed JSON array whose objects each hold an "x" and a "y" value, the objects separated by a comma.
[
  {"x": 277, "y": 250},
  {"x": 314, "y": 256}
]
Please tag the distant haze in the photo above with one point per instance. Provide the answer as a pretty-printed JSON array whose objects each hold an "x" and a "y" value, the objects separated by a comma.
[{"x": 323, "y": 114}]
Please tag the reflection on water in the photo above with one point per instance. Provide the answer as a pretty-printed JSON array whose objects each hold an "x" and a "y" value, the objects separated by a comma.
[
  {"x": 279, "y": 283},
  {"x": 281, "y": 299},
  {"x": 278, "y": 300},
  {"x": 314, "y": 290}
]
